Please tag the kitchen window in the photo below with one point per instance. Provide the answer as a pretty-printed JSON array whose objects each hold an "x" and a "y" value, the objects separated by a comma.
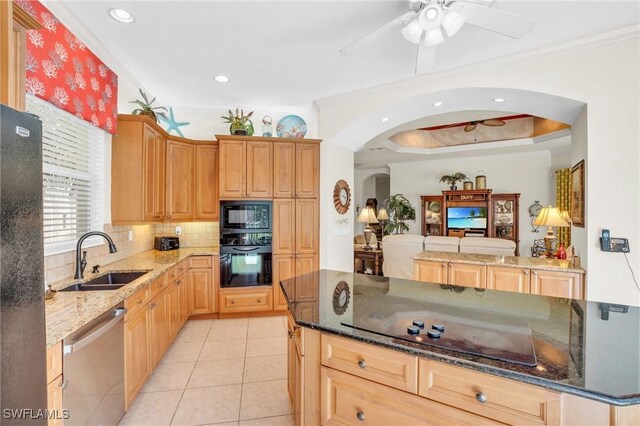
[{"x": 73, "y": 176}]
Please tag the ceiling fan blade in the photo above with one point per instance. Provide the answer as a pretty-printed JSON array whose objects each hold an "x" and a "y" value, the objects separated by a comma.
[
  {"x": 470, "y": 127},
  {"x": 497, "y": 21},
  {"x": 493, "y": 122},
  {"x": 425, "y": 58},
  {"x": 352, "y": 48}
]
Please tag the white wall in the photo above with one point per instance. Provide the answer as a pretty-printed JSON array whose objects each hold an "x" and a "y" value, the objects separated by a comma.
[
  {"x": 601, "y": 72},
  {"x": 528, "y": 174}
]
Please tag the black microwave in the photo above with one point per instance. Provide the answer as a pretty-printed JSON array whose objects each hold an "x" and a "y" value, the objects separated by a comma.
[{"x": 245, "y": 216}]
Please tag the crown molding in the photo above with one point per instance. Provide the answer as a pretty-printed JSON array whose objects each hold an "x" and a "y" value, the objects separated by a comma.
[{"x": 548, "y": 51}]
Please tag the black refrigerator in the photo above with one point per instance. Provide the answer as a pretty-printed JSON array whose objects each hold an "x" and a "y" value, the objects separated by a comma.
[{"x": 23, "y": 379}]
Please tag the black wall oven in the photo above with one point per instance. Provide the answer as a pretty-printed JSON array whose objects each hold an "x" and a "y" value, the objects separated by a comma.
[{"x": 245, "y": 243}]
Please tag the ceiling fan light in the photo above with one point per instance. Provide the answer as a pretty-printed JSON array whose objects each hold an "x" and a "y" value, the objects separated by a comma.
[
  {"x": 412, "y": 32},
  {"x": 433, "y": 37},
  {"x": 431, "y": 17},
  {"x": 452, "y": 22}
]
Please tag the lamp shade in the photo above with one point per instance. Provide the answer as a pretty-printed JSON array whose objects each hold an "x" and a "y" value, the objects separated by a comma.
[
  {"x": 383, "y": 215},
  {"x": 367, "y": 215},
  {"x": 550, "y": 216}
]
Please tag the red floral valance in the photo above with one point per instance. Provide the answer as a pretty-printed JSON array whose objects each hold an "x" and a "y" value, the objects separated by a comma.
[{"x": 62, "y": 71}]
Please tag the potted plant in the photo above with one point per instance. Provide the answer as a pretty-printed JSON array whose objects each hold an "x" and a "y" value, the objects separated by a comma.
[
  {"x": 451, "y": 180},
  {"x": 240, "y": 123},
  {"x": 399, "y": 210},
  {"x": 147, "y": 108}
]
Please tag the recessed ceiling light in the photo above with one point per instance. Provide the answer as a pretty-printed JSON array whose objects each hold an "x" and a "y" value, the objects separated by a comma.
[
  {"x": 221, "y": 78},
  {"x": 437, "y": 104},
  {"x": 499, "y": 100},
  {"x": 384, "y": 119},
  {"x": 122, "y": 15}
]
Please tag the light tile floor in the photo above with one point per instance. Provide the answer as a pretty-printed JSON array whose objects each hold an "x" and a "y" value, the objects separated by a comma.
[{"x": 222, "y": 372}]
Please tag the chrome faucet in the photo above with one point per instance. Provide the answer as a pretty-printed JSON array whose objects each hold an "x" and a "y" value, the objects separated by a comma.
[{"x": 81, "y": 262}]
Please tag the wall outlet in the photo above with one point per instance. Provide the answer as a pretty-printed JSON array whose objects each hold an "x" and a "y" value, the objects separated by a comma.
[
  {"x": 178, "y": 230},
  {"x": 130, "y": 235}
]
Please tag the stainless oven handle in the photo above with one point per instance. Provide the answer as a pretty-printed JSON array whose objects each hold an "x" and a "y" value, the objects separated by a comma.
[
  {"x": 247, "y": 249},
  {"x": 118, "y": 315}
]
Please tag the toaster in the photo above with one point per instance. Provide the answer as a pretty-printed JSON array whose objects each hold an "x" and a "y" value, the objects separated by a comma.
[{"x": 167, "y": 243}]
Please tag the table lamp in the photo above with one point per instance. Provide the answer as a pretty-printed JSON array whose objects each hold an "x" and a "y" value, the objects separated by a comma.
[
  {"x": 550, "y": 216},
  {"x": 382, "y": 216},
  {"x": 367, "y": 215}
]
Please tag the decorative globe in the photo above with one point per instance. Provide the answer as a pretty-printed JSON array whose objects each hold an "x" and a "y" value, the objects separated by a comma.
[{"x": 291, "y": 126}]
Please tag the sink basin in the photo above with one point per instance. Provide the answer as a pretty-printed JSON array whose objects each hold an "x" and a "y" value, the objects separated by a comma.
[{"x": 109, "y": 281}]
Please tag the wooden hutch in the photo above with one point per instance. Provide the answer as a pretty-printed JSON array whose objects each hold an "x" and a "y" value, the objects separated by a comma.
[{"x": 501, "y": 211}]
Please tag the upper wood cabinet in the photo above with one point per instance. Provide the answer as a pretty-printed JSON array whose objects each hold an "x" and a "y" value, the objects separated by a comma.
[
  {"x": 307, "y": 226},
  {"x": 233, "y": 169},
  {"x": 206, "y": 190},
  {"x": 180, "y": 180},
  {"x": 284, "y": 226},
  {"x": 14, "y": 24},
  {"x": 307, "y": 170},
  {"x": 137, "y": 172},
  {"x": 246, "y": 169},
  {"x": 284, "y": 170}
]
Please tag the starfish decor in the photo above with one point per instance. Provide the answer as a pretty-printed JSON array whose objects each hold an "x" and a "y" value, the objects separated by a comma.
[{"x": 172, "y": 124}]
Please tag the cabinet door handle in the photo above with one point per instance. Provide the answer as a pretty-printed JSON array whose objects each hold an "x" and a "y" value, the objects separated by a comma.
[
  {"x": 168, "y": 216},
  {"x": 291, "y": 334},
  {"x": 526, "y": 272},
  {"x": 481, "y": 398},
  {"x": 233, "y": 302},
  {"x": 362, "y": 364},
  {"x": 259, "y": 300},
  {"x": 179, "y": 282},
  {"x": 360, "y": 416},
  {"x": 63, "y": 384},
  {"x": 534, "y": 273},
  {"x": 139, "y": 302},
  {"x": 152, "y": 305}
]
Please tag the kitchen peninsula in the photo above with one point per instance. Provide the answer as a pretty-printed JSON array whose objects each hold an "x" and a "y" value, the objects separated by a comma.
[{"x": 360, "y": 350}]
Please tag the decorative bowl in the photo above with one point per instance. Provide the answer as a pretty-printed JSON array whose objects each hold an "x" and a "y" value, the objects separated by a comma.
[{"x": 291, "y": 126}]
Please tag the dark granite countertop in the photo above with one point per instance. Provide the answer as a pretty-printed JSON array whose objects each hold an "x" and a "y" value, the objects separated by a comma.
[{"x": 577, "y": 350}]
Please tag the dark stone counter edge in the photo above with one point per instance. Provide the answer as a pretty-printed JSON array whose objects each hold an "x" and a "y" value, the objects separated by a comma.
[{"x": 621, "y": 401}]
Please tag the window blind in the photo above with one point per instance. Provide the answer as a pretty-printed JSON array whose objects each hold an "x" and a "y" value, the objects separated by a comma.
[{"x": 73, "y": 165}]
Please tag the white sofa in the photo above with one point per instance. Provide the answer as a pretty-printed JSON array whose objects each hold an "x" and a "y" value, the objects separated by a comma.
[
  {"x": 493, "y": 246},
  {"x": 448, "y": 244},
  {"x": 398, "y": 251}
]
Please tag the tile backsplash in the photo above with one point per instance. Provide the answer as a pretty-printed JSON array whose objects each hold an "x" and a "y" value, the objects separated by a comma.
[{"x": 194, "y": 234}]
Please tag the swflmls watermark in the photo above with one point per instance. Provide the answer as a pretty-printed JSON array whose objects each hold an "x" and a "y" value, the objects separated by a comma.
[{"x": 33, "y": 414}]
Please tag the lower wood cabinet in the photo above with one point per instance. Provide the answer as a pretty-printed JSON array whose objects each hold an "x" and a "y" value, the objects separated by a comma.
[
  {"x": 430, "y": 271},
  {"x": 348, "y": 400},
  {"x": 54, "y": 401},
  {"x": 287, "y": 266},
  {"x": 204, "y": 284},
  {"x": 557, "y": 284},
  {"x": 246, "y": 300},
  {"x": 467, "y": 275},
  {"x": 159, "y": 324},
  {"x": 508, "y": 279},
  {"x": 137, "y": 361}
]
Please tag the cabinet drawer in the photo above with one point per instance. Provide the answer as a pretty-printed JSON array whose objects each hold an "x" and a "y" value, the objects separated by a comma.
[
  {"x": 245, "y": 301},
  {"x": 380, "y": 365},
  {"x": 157, "y": 286},
  {"x": 348, "y": 400},
  {"x": 200, "y": 261},
  {"x": 504, "y": 400},
  {"x": 136, "y": 301},
  {"x": 54, "y": 361}
]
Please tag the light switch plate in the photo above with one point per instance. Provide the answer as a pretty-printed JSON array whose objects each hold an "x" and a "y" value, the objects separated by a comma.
[{"x": 178, "y": 230}]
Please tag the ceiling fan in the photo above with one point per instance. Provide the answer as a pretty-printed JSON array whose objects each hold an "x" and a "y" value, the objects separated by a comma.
[
  {"x": 430, "y": 22},
  {"x": 493, "y": 122}
]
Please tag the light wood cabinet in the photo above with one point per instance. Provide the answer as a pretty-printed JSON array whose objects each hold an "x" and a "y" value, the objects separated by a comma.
[
  {"x": 259, "y": 169},
  {"x": 307, "y": 226},
  {"x": 14, "y": 24},
  {"x": 184, "y": 288},
  {"x": 54, "y": 401},
  {"x": 500, "y": 399},
  {"x": 467, "y": 275},
  {"x": 284, "y": 170},
  {"x": 284, "y": 226},
  {"x": 233, "y": 169},
  {"x": 284, "y": 267},
  {"x": 137, "y": 300},
  {"x": 206, "y": 190},
  {"x": 180, "y": 180},
  {"x": 348, "y": 400},
  {"x": 306, "y": 263},
  {"x": 307, "y": 170},
  {"x": 430, "y": 271},
  {"x": 137, "y": 172},
  {"x": 508, "y": 279},
  {"x": 159, "y": 326},
  {"x": 137, "y": 356},
  {"x": 54, "y": 361},
  {"x": 201, "y": 291},
  {"x": 557, "y": 284},
  {"x": 246, "y": 300},
  {"x": 173, "y": 299}
]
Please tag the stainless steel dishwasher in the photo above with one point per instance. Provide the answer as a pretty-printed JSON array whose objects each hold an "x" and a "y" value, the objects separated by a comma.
[{"x": 93, "y": 371}]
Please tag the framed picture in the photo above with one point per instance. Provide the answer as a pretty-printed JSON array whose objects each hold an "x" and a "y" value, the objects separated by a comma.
[
  {"x": 577, "y": 194},
  {"x": 538, "y": 248}
]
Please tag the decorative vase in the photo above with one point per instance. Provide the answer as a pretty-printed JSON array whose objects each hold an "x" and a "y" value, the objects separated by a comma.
[
  {"x": 453, "y": 187},
  {"x": 468, "y": 185},
  {"x": 242, "y": 129},
  {"x": 267, "y": 126},
  {"x": 481, "y": 180},
  {"x": 151, "y": 114},
  {"x": 562, "y": 253}
]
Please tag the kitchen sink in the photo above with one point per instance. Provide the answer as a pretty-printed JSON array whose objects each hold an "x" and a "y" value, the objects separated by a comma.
[{"x": 109, "y": 281}]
